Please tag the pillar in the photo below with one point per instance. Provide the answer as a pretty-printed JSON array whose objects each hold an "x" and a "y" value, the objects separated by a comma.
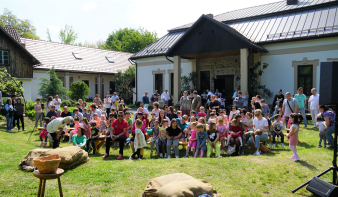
[
  {"x": 244, "y": 69},
  {"x": 66, "y": 82},
  {"x": 99, "y": 85},
  {"x": 177, "y": 78}
]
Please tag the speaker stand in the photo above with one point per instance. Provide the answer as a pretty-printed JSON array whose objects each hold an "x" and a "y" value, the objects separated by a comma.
[{"x": 334, "y": 161}]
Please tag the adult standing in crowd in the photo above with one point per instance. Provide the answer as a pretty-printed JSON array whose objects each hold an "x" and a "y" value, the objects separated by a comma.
[
  {"x": 185, "y": 104},
  {"x": 196, "y": 103},
  {"x": 38, "y": 112},
  {"x": 165, "y": 97},
  {"x": 209, "y": 93},
  {"x": 156, "y": 96},
  {"x": 107, "y": 104},
  {"x": 301, "y": 99},
  {"x": 48, "y": 105},
  {"x": 239, "y": 100},
  {"x": 65, "y": 112},
  {"x": 20, "y": 113},
  {"x": 280, "y": 98},
  {"x": 290, "y": 105},
  {"x": 9, "y": 115},
  {"x": 57, "y": 102},
  {"x": 13, "y": 97},
  {"x": 235, "y": 95},
  {"x": 145, "y": 100},
  {"x": 261, "y": 128},
  {"x": 96, "y": 99},
  {"x": 214, "y": 104},
  {"x": 330, "y": 120},
  {"x": 55, "y": 128},
  {"x": 118, "y": 133},
  {"x": 114, "y": 97},
  {"x": 313, "y": 106}
]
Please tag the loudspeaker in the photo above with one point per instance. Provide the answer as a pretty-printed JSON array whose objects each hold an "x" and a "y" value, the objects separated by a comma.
[
  {"x": 328, "y": 83},
  {"x": 321, "y": 188}
]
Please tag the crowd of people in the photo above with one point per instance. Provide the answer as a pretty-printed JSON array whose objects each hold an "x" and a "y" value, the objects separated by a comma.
[{"x": 202, "y": 123}]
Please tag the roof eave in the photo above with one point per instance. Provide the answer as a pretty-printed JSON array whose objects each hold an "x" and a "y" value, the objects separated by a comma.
[{"x": 72, "y": 71}]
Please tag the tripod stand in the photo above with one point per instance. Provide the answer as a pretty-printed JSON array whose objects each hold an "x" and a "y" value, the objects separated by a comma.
[{"x": 334, "y": 167}]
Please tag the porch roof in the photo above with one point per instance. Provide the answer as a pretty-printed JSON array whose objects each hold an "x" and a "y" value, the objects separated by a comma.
[{"x": 207, "y": 35}]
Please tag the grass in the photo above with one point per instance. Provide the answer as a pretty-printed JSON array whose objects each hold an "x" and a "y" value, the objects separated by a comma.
[{"x": 272, "y": 174}]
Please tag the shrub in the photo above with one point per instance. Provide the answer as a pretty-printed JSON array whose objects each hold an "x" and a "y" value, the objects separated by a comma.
[
  {"x": 30, "y": 105},
  {"x": 78, "y": 90},
  {"x": 131, "y": 105},
  {"x": 66, "y": 103}
]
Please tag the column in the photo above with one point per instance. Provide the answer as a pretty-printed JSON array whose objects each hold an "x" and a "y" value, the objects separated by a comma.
[
  {"x": 177, "y": 78},
  {"x": 193, "y": 68},
  {"x": 99, "y": 85},
  {"x": 244, "y": 69},
  {"x": 67, "y": 81}
]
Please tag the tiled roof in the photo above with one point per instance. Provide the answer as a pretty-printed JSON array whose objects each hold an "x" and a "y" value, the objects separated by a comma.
[
  {"x": 319, "y": 19},
  {"x": 61, "y": 57},
  {"x": 13, "y": 32},
  {"x": 275, "y": 8}
]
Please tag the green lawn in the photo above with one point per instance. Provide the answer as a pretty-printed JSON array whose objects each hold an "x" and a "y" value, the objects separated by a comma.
[{"x": 271, "y": 174}]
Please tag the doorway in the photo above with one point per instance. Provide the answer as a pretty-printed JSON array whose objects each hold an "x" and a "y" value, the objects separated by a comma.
[{"x": 224, "y": 84}]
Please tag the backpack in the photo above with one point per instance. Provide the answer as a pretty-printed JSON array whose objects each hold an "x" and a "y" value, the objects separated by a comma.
[{"x": 3, "y": 112}]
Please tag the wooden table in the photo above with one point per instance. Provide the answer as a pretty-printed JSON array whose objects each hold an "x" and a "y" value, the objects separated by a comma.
[{"x": 44, "y": 177}]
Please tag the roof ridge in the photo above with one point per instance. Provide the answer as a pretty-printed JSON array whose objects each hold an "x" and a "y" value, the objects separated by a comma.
[{"x": 75, "y": 45}]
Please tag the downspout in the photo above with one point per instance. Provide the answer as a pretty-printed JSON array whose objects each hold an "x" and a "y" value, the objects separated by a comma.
[
  {"x": 166, "y": 57},
  {"x": 131, "y": 61}
]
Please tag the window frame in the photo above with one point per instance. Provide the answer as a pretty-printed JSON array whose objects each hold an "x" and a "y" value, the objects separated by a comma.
[
  {"x": 305, "y": 76},
  {"x": 2, "y": 61},
  {"x": 204, "y": 83}
]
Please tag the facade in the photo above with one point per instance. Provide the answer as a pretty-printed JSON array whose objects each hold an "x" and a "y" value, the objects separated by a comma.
[{"x": 293, "y": 39}]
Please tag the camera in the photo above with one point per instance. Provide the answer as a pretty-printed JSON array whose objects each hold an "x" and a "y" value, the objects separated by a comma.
[{"x": 42, "y": 106}]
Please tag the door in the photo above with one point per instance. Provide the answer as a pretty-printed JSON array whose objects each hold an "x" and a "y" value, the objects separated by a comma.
[{"x": 225, "y": 84}]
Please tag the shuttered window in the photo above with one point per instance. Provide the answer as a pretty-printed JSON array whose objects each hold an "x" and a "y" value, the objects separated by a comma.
[{"x": 4, "y": 57}]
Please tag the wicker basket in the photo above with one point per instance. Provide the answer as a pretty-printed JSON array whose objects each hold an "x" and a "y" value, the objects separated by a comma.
[{"x": 48, "y": 164}]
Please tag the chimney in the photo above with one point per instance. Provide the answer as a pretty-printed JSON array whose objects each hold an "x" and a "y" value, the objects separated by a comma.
[
  {"x": 210, "y": 15},
  {"x": 291, "y": 2}
]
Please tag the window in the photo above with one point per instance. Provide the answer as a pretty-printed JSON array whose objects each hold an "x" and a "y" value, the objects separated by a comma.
[
  {"x": 305, "y": 78},
  {"x": 4, "y": 57},
  {"x": 159, "y": 82},
  {"x": 86, "y": 82},
  {"x": 77, "y": 56},
  {"x": 110, "y": 60},
  {"x": 204, "y": 80},
  {"x": 111, "y": 87}
]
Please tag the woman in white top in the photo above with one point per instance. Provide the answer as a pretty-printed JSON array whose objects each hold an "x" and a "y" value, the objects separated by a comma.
[
  {"x": 49, "y": 104},
  {"x": 233, "y": 111},
  {"x": 55, "y": 128},
  {"x": 107, "y": 104},
  {"x": 261, "y": 127}
]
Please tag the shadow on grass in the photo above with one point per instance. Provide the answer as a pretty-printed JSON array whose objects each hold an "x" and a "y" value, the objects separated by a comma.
[{"x": 306, "y": 164}]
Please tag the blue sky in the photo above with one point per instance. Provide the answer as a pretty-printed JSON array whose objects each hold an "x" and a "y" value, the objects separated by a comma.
[{"x": 94, "y": 20}]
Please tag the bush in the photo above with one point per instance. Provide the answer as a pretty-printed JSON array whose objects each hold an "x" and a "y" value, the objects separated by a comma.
[
  {"x": 68, "y": 103},
  {"x": 30, "y": 105},
  {"x": 78, "y": 90},
  {"x": 30, "y": 114},
  {"x": 131, "y": 106}
]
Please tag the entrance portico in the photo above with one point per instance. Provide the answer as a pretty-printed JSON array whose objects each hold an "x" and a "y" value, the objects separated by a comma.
[{"x": 217, "y": 49}]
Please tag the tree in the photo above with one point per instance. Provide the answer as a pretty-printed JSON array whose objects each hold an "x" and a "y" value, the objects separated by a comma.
[
  {"x": 78, "y": 90},
  {"x": 51, "y": 86},
  {"x": 8, "y": 84},
  {"x": 67, "y": 35},
  {"x": 130, "y": 40},
  {"x": 255, "y": 86},
  {"x": 48, "y": 35},
  {"x": 24, "y": 27},
  {"x": 123, "y": 83},
  {"x": 86, "y": 44},
  {"x": 188, "y": 82}
]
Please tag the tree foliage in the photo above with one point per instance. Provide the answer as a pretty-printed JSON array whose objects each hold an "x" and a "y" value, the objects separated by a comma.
[
  {"x": 129, "y": 40},
  {"x": 123, "y": 84},
  {"x": 8, "y": 84},
  {"x": 67, "y": 35},
  {"x": 24, "y": 27},
  {"x": 78, "y": 90},
  {"x": 51, "y": 86},
  {"x": 255, "y": 86},
  {"x": 189, "y": 82}
]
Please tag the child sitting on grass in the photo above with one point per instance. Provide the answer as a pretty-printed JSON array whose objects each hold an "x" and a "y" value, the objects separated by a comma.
[
  {"x": 44, "y": 132},
  {"x": 277, "y": 127},
  {"x": 213, "y": 139},
  {"x": 321, "y": 125},
  {"x": 162, "y": 139},
  {"x": 95, "y": 133},
  {"x": 76, "y": 126},
  {"x": 139, "y": 141},
  {"x": 221, "y": 128},
  {"x": 103, "y": 125},
  {"x": 192, "y": 140},
  {"x": 236, "y": 130},
  {"x": 202, "y": 113},
  {"x": 201, "y": 140},
  {"x": 58, "y": 113},
  {"x": 156, "y": 130}
]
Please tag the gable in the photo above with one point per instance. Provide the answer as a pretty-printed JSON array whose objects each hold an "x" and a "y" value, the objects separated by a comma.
[{"x": 208, "y": 36}]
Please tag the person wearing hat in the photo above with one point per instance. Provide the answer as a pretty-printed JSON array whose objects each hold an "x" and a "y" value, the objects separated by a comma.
[
  {"x": 196, "y": 103},
  {"x": 55, "y": 128}
]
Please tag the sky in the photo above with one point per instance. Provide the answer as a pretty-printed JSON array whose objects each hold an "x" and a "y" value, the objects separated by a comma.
[{"x": 95, "y": 20}]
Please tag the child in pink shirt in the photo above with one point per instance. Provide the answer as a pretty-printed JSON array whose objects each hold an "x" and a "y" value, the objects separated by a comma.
[
  {"x": 202, "y": 113},
  {"x": 221, "y": 128},
  {"x": 192, "y": 140}
]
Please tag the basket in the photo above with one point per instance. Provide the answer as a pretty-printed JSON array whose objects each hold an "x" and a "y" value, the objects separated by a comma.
[
  {"x": 150, "y": 132},
  {"x": 48, "y": 164}
]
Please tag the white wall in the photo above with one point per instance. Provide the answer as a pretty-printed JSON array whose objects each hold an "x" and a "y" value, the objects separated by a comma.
[
  {"x": 35, "y": 83},
  {"x": 145, "y": 77},
  {"x": 280, "y": 73}
]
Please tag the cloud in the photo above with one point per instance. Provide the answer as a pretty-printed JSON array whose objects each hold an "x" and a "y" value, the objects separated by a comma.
[
  {"x": 89, "y": 6},
  {"x": 54, "y": 29}
]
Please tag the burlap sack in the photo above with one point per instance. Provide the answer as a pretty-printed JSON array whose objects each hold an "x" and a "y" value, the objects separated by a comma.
[
  {"x": 83, "y": 159},
  {"x": 156, "y": 183},
  {"x": 187, "y": 188},
  {"x": 28, "y": 160},
  {"x": 67, "y": 154}
]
